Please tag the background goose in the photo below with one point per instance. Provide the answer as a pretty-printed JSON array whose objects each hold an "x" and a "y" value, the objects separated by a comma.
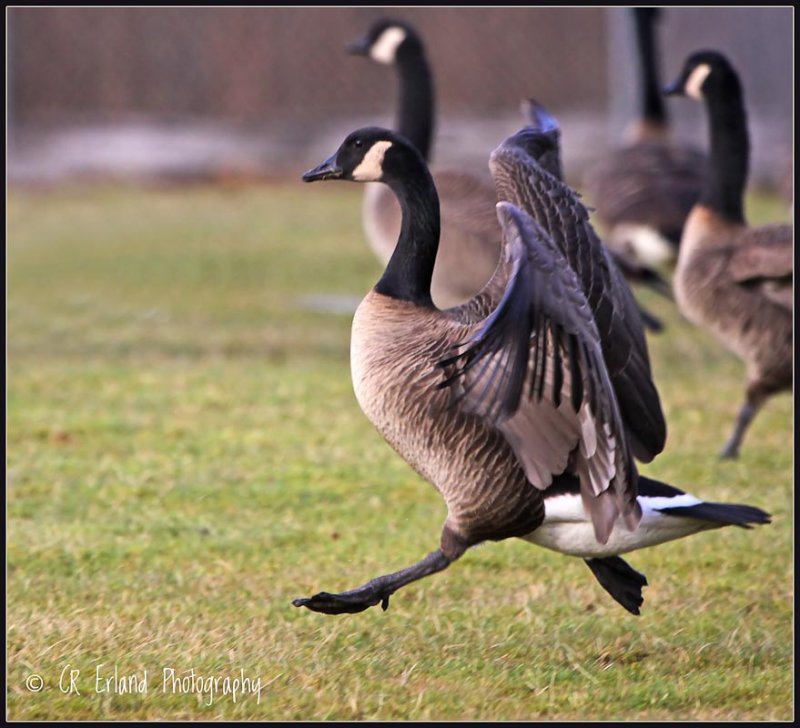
[
  {"x": 506, "y": 404},
  {"x": 643, "y": 192},
  {"x": 547, "y": 152},
  {"x": 470, "y": 244},
  {"x": 470, "y": 240},
  {"x": 732, "y": 279}
]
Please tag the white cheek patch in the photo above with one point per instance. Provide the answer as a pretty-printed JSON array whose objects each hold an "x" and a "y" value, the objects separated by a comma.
[
  {"x": 385, "y": 48},
  {"x": 371, "y": 167},
  {"x": 695, "y": 81}
]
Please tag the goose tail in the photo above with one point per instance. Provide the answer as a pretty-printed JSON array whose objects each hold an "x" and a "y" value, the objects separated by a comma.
[{"x": 669, "y": 501}]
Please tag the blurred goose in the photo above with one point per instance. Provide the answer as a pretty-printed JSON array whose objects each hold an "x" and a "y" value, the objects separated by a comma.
[
  {"x": 509, "y": 403},
  {"x": 470, "y": 243},
  {"x": 643, "y": 192},
  {"x": 547, "y": 153},
  {"x": 734, "y": 280},
  {"x": 470, "y": 239}
]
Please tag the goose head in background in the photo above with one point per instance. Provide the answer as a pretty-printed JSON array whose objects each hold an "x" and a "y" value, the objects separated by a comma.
[
  {"x": 706, "y": 73},
  {"x": 395, "y": 43},
  {"x": 708, "y": 76}
]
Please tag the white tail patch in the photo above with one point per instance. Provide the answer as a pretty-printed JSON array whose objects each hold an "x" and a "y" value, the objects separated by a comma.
[
  {"x": 384, "y": 49},
  {"x": 568, "y": 529},
  {"x": 648, "y": 245},
  {"x": 371, "y": 167},
  {"x": 695, "y": 81}
]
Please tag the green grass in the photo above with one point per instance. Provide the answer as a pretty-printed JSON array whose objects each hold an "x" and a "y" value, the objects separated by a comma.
[{"x": 185, "y": 456}]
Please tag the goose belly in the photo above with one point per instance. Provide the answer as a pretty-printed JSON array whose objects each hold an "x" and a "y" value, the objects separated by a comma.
[{"x": 568, "y": 530}]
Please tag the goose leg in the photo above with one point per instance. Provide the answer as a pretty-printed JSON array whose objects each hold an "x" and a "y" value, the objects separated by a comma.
[
  {"x": 375, "y": 591},
  {"x": 620, "y": 580},
  {"x": 754, "y": 399},
  {"x": 379, "y": 589}
]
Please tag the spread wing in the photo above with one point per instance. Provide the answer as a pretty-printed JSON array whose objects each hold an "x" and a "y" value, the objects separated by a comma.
[
  {"x": 534, "y": 369},
  {"x": 557, "y": 209}
]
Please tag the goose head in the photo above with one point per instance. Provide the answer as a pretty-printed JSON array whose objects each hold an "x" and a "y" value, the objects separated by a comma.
[
  {"x": 705, "y": 73},
  {"x": 386, "y": 40},
  {"x": 370, "y": 154}
]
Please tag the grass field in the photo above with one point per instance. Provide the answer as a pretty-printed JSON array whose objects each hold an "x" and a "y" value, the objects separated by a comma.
[{"x": 185, "y": 456}]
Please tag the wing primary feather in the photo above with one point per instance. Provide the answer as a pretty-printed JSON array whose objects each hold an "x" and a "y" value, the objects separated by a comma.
[
  {"x": 558, "y": 374},
  {"x": 576, "y": 378},
  {"x": 541, "y": 336},
  {"x": 534, "y": 371}
]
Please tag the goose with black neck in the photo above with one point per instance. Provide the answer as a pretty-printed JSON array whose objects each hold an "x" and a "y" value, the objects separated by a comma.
[
  {"x": 734, "y": 280},
  {"x": 506, "y": 404}
]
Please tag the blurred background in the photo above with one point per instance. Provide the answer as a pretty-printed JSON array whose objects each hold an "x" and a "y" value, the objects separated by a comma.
[{"x": 187, "y": 94}]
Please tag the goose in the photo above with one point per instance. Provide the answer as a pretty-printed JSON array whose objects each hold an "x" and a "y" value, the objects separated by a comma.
[
  {"x": 548, "y": 155},
  {"x": 470, "y": 243},
  {"x": 731, "y": 279},
  {"x": 470, "y": 239},
  {"x": 643, "y": 191},
  {"x": 509, "y": 404}
]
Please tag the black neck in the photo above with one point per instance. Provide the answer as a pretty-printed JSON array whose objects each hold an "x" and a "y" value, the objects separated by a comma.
[
  {"x": 723, "y": 189},
  {"x": 653, "y": 108},
  {"x": 410, "y": 269},
  {"x": 415, "y": 108}
]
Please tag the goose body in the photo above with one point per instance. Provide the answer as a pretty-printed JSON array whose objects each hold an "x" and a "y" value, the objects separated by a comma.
[
  {"x": 643, "y": 192},
  {"x": 508, "y": 403},
  {"x": 732, "y": 279}
]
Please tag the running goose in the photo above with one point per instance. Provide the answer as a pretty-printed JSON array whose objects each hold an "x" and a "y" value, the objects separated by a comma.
[
  {"x": 643, "y": 192},
  {"x": 508, "y": 403},
  {"x": 734, "y": 280}
]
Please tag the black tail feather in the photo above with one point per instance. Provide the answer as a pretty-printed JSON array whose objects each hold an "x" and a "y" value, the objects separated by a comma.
[
  {"x": 620, "y": 580},
  {"x": 725, "y": 514}
]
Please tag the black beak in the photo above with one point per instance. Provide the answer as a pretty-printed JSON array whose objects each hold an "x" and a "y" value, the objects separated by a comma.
[
  {"x": 359, "y": 47},
  {"x": 327, "y": 170},
  {"x": 673, "y": 89}
]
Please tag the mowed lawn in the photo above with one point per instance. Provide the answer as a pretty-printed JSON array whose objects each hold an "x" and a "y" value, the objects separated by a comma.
[{"x": 186, "y": 456}]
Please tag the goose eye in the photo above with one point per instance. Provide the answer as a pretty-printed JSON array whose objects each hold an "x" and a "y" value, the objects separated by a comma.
[{"x": 358, "y": 143}]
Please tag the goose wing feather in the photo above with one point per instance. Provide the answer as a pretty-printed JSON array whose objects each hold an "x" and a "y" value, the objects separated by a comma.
[
  {"x": 763, "y": 258},
  {"x": 763, "y": 252},
  {"x": 520, "y": 180},
  {"x": 534, "y": 369}
]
